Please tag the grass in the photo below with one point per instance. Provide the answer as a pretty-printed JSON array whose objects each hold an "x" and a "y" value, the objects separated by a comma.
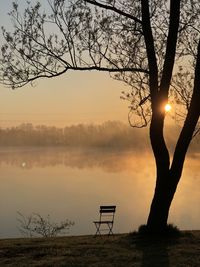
[{"x": 126, "y": 250}]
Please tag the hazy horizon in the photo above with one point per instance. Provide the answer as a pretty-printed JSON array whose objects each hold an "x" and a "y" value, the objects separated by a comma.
[{"x": 110, "y": 135}]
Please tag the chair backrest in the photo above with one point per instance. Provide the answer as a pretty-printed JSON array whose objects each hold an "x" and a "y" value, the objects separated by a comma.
[{"x": 108, "y": 212}]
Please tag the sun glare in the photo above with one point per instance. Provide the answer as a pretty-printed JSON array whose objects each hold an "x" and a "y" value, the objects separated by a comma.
[{"x": 168, "y": 107}]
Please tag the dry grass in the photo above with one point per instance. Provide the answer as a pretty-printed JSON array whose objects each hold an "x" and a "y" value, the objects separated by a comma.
[{"x": 87, "y": 251}]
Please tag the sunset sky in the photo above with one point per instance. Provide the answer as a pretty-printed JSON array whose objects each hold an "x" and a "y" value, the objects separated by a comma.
[
  {"x": 44, "y": 167},
  {"x": 76, "y": 97}
]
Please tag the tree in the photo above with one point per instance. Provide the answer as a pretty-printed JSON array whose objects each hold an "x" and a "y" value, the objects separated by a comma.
[{"x": 153, "y": 46}]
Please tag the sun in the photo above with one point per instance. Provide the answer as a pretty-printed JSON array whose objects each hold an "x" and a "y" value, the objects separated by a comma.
[{"x": 168, "y": 107}]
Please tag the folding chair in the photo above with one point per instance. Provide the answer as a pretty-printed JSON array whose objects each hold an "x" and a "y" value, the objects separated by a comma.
[{"x": 106, "y": 218}]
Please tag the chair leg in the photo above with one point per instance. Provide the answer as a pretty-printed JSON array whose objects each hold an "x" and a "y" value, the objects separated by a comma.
[
  {"x": 110, "y": 226},
  {"x": 98, "y": 230}
]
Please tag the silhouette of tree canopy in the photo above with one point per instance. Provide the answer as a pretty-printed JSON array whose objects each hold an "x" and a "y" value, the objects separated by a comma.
[{"x": 152, "y": 46}]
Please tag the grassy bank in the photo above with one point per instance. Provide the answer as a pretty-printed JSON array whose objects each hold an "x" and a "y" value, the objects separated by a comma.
[{"x": 86, "y": 251}]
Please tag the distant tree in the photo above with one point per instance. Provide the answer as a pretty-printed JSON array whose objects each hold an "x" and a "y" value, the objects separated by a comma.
[
  {"x": 153, "y": 46},
  {"x": 110, "y": 134}
]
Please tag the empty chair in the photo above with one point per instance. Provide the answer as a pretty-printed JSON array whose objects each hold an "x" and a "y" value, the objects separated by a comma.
[{"x": 106, "y": 220}]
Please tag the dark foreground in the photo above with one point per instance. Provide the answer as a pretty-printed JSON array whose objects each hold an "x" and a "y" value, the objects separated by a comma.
[{"x": 85, "y": 251}]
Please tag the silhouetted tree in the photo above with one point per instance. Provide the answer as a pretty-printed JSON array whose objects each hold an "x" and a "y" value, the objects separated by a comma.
[{"x": 153, "y": 46}]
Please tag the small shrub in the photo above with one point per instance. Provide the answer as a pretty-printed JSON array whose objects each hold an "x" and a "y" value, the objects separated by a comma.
[
  {"x": 169, "y": 231},
  {"x": 35, "y": 225}
]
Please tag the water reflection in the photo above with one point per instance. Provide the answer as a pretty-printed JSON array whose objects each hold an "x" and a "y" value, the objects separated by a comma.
[
  {"x": 73, "y": 183},
  {"x": 107, "y": 160}
]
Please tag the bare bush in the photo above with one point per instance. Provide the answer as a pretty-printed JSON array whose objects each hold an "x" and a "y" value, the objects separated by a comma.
[{"x": 35, "y": 225}]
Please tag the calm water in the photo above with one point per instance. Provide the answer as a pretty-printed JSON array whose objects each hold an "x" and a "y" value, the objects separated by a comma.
[{"x": 72, "y": 184}]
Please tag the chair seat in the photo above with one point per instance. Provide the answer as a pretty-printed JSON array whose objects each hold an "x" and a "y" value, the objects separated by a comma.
[{"x": 103, "y": 222}]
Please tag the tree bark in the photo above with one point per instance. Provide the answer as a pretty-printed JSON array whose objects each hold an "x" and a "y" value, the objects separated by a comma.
[
  {"x": 163, "y": 196},
  {"x": 164, "y": 190},
  {"x": 169, "y": 177}
]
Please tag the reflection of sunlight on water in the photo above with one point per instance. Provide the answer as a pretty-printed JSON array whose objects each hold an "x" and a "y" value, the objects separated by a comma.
[
  {"x": 23, "y": 164},
  {"x": 74, "y": 183}
]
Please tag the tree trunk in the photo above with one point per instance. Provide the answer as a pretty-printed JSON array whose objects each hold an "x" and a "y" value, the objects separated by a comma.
[
  {"x": 163, "y": 196},
  {"x": 164, "y": 190},
  {"x": 168, "y": 177}
]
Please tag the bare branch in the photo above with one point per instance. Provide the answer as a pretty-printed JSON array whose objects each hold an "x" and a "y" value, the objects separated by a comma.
[
  {"x": 114, "y": 9},
  {"x": 36, "y": 225}
]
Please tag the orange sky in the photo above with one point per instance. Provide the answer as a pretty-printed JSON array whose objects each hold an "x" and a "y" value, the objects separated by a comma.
[{"x": 76, "y": 97}]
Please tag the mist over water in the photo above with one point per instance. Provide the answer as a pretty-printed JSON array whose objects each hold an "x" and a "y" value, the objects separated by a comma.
[
  {"x": 107, "y": 160},
  {"x": 69, "y": 172},
  {"x": 72, "y": 183}
]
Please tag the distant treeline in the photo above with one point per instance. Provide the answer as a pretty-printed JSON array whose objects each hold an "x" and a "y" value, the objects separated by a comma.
[{"x": 111, "y": 134}]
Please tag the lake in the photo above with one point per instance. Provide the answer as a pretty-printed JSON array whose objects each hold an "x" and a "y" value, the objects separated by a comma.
[{"x": 73, "y": 183}]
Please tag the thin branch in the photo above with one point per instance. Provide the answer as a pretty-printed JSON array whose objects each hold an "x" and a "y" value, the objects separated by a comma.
[
  {"x": 112, "y": 8},
  {"x": 29, "y": 80}
]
